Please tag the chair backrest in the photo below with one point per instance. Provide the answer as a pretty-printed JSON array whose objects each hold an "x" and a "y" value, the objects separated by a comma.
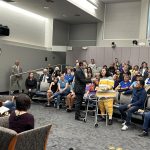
[
  {"x": 7, "y": 139},
  {"x": 44, "y": 86},
  {"x": 4, "y": 121},
  {"x": 148, "y": 102},
  {"x": 125, "y": 99},
  {"x": 35, "y": 139}
]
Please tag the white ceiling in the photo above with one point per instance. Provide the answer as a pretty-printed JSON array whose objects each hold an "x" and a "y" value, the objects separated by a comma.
[
  {"x": 117, "y": 1},
  {"x": 60, "y": 9}
]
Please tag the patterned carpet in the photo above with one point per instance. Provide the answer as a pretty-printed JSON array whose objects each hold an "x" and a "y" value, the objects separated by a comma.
[{"x": 68, "y": 133}]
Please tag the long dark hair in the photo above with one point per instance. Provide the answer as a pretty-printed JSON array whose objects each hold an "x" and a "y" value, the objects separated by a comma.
[{"x": 107, "y": 73}]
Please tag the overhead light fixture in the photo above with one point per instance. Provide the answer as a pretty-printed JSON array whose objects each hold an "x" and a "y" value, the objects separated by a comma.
[
  {"x": 46, "y": 7},
  {"x": 86, "y": 4},
  {"x": 94, "y": 2},
  {"x": 20, "y": 10}
]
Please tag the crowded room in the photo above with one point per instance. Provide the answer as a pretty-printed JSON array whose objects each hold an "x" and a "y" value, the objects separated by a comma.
[{"x": 75, "y": 75}]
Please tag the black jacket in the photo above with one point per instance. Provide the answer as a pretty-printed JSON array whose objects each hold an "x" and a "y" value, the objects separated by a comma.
[
  {"x": 80, "y": 81},
  {"x": 31, "y": 84},
  {"x": 49, "y": 79}
]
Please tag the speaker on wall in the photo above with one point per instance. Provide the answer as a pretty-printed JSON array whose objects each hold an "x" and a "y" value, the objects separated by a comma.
[{"x": 4, "y": 30}]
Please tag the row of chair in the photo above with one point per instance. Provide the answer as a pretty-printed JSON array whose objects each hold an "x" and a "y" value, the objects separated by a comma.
[{"x": 35, "y": 139}]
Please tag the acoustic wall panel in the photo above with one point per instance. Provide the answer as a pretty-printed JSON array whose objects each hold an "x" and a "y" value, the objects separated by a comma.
[
  {"x": 135, "y": 54},
  {"x": 100, "y": 56},
  {"x": 144, "y": 54},
  {"x": 117, "y": 53},
  {"x": 108, "y": 56},
  {"x": 126, "y": 53}
]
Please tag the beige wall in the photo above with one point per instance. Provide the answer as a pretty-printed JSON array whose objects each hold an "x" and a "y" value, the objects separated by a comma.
[{"x": 106, "y": 55}]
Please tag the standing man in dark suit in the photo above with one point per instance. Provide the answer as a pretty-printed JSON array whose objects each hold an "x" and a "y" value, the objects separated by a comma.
[{"x": 79, "y": 88}]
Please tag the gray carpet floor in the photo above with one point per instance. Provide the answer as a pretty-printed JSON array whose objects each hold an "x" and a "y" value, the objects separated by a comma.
[{"x": 68, "y": 133}]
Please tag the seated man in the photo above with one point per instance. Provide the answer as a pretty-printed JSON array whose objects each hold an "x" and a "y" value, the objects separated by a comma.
[
  {"x": 62, "y": 89},
  {"x": 145, "y": 124},
  {"x": 137, "y": 102},
  {"x": 45, "y": 77}
]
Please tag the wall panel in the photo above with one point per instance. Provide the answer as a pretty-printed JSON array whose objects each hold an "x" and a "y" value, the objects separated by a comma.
[
  {"x": 126, "y": 53},
  {"x": 144, "y": 54}
]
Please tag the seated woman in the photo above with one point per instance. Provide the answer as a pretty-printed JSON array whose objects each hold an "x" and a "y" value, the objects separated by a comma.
[
  {"x": 62, "y": 89},
  {"x": 52, "y": 91},
  {"x": 70, "y": 98},
  {"x": 124, "y": 86},
  {"x": 31, "y": 84},
  {"x": 20, "y": 120}
]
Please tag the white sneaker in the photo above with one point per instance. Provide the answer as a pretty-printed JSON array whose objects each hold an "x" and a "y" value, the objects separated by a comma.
[
  {"x": 124, "y": 128},
  {"x": 58, "y": 107},
  {"x": 124, "y": 123}
]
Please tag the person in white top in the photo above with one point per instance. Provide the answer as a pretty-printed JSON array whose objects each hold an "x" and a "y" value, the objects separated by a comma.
[{"x": 92, "y": 65}]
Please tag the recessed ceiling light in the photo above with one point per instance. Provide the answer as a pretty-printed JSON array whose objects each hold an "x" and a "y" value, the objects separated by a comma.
[
  {"x": 46, "y": 7},
  {"x": 77, "y": 15}
]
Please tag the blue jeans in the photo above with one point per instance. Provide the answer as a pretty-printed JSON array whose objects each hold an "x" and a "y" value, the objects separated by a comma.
[
  {"x": 126, "y": 113},
  {"x": 60, "y": 95},
  {"x": 146, "y": 121},
  {"x": 10, "y": 105}
]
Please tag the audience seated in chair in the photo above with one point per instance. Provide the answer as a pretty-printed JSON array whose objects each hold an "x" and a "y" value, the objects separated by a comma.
[
  {"x": 62, "y": 89},
  {"x": 20, "y": 120},
  {"x": 92, "y": 65},
  {"x": 145, "y": 124},
  {"x": 31, "y": 84},
  {"x": 45, "y": 77},
  {"x": 52, "y": 91},
  {"x": 137, "y": 102},
  {"x": 70, "y": 98},
  {"x": 124, "y": 86},
  {"x": 68, "y": 76},
  {"x": 34, "y": 139},
  {"x": 9, "y": 103},
  {"x": 56, "y": 72},
  {"x": 144, "y": 70},
  {"x": 89, "y": 72}
]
